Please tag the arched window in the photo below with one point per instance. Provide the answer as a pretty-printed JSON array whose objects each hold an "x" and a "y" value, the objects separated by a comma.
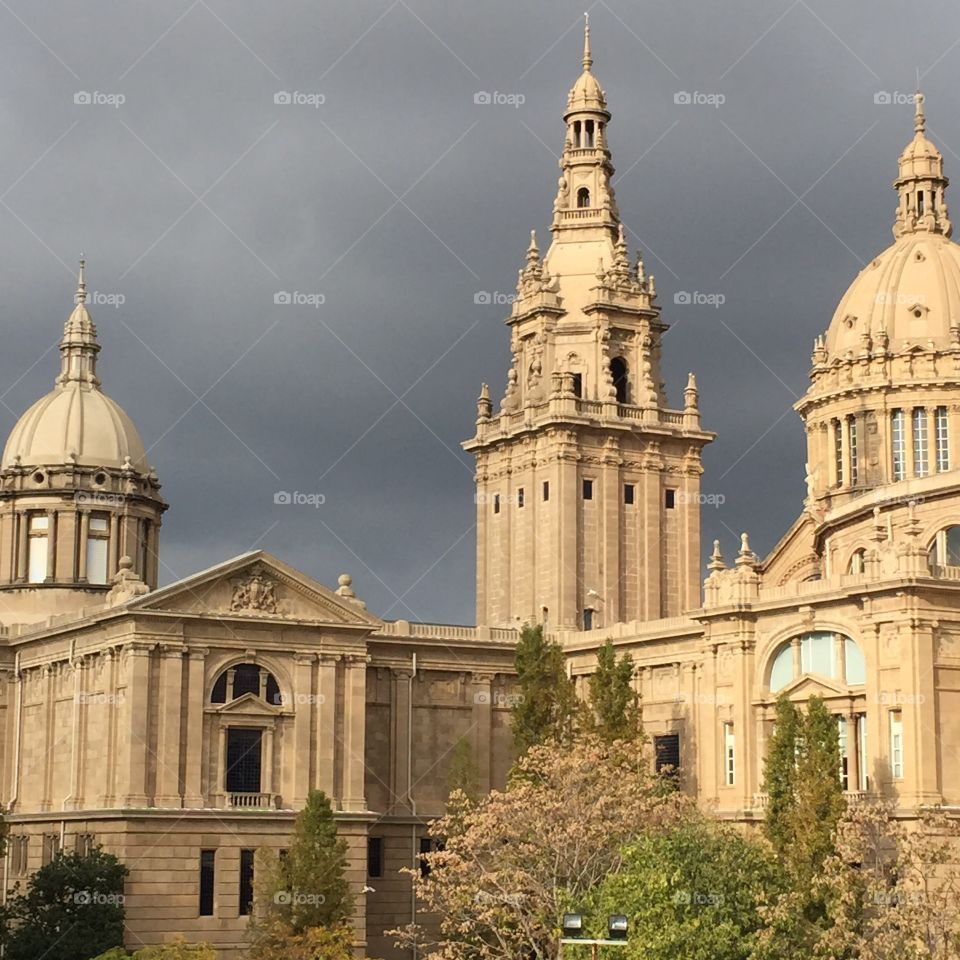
[
  {"x": 618, "y": 370},
  {"x": 945, "y": 549},
  {"x": 858, "y": 561},
  {"x": 819, "y": 653},
  {"x": 588, "y": 134},
  {"x": 246, "y": 678},
  {"x": 583, "y": 197}
]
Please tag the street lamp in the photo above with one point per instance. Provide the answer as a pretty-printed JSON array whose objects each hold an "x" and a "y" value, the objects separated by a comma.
[{"x": 617, "y": 924}]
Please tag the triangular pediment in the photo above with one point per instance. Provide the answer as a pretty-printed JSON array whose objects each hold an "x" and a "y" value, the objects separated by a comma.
[
  {"x": 249, "y": 705},
  {"x": 257, "y": 586},
  {"x": 813, "y": 685}
]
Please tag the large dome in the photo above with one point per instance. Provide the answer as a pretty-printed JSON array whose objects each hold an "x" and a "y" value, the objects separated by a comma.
[
  {"x": 75, "y": 420},
  {"x": 911, "y": 291}
]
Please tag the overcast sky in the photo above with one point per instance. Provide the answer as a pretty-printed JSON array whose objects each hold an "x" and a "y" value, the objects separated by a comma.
[{"x": 197, "y": 199}]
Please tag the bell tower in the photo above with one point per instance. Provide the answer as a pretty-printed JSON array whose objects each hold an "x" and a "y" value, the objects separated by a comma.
[{"x": 587, "y": 483}]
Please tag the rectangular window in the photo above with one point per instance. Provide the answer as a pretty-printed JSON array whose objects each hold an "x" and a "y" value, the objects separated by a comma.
[
  {"x": 51, "y": 847},
  {"x": 897, "y": 429},
  {"x": 38, "y": 534},
  {"x": 587, "y": 489},
  {"x": 98, "y": 537},
  {"x": 588, "y": 619},
  {"x": 496, "y": 503},
  {"x": 18, "y": 854},
  {"x": 896, "y": 744},
  {"x": 666, "y": 752},
  {"x": 85, "y": 843},
  {"x": 243, "y": 759},
  {"x": 546, "y": 489},
  {"x": 628, "y": 492},
  {"x": 943, "y": 440},
  {"x": 426, "y": 846},
  {"x": 520, "y": 497},
  {"x": 838, "y": 452},
  {"x": 206, "y": 882},
  {"x": 374, "y": 857},
  {"x": 862, "y": 754},
  {"x": 246, "y": 882},
  {"x": 920, "y": 445},
  {"x": 578, "y": 384},
  {"x": 729, "y": 755},
  {"x": 854, "y": 451},
  {"x": 670, "y": 499}
]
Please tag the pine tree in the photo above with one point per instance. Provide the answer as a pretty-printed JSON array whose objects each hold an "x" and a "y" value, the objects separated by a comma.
[
  {"x": 304, "y": 894},
  {"x": 546, "y": 709},
  {"x": 614, "y": 704},
  {"x": 779, "y": 776}
]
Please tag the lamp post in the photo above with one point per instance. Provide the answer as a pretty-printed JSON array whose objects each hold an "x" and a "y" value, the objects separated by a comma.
[{"x": 572, "y": 927}]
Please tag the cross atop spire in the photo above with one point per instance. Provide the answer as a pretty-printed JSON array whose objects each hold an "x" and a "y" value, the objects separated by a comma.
[{"x": 587, "y": 59}]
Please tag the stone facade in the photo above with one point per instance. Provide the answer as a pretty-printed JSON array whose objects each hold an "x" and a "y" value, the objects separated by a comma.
[{"x": 182, "y": 727}]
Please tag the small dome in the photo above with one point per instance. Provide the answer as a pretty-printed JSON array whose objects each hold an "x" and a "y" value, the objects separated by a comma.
[
  {"x": 80, "y": 420},
  {"x": 911, "y": 291},
  {"x": 586, "y": 94}
]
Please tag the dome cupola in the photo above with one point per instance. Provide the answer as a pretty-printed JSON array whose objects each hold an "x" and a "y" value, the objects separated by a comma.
[{"x": 77, "y": 496}]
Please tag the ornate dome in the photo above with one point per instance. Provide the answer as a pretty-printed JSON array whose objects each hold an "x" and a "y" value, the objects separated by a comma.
[
  {"x": 910, "y": 293},
  {"x": 586, "y": 94},
  {"x": 76, "y": 422}
]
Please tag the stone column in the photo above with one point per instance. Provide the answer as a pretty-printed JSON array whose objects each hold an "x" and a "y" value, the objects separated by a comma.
[
  {"x": 651, "y": 494},
  {"x": 196, "y": 698},
  {"x": 853, "y": 752},
  {"x": 303, "y": 706},
  {"x": 482, "y": 723},
  {"x": 568, "y": 494},
  {"x": 134, "y": 733},
  {"x": 220, "y": 771},
  {"x": 49, "y": 706},
  {"x": 52, "y": 544},
  {"x": 920, "y": 732},
  {"x": 168, "y": 747},
  {"x": 266, "y": 785},
  {"x": 843, "y": 427},
  {"x": 113, "y": 554},
  {"x": 610, "y": 507},
  {"x": 401, "y": 693},
  {"x": 326, "y": 717},
  {"x": 23, "y": 524},
  {"x": 82, "y": 536},
  {"x": 354, "y": 733}
]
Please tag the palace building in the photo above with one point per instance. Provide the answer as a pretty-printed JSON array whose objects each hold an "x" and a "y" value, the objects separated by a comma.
[{"x": 182, "y": 726}]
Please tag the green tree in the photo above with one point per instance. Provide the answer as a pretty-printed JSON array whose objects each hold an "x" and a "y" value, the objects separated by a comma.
[
  {"x": 462, "y": 775},
  {"x": 692, "y": 891},
  {"x": 72, "y": 909},
  {"x": 178, "y": 949},
  {"x": 779, "y": 774},
  {"x": 303, "y": 897},
  {"x": 614, "y": 704},
  {"x": 546, "y": 710}
]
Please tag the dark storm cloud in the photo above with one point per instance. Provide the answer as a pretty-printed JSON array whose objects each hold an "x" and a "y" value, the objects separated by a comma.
[{"x": 199, "y": 200}]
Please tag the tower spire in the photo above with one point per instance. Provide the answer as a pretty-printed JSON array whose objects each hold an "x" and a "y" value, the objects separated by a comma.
[
  {"x": 81, "y": 295},
  {"x": 921, "y": 183},
  {"x": 587, "y": 58},
  {"x": 79, "y": 346}
]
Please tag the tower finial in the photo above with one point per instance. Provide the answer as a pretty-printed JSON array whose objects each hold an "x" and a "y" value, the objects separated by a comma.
[
  {"x": 587, "y": 59},
  {"x": 82, "y": 281},
  {"x": 919, "y": 118}
]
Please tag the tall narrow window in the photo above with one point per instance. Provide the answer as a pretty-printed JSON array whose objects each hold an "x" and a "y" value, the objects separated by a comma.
[
  {"x": 897, "y": 429},
  {"x": 920, "y": 196},
  {"x": 583, "y": 198},
  {"x": 98, "y": 538},
  {"x": 729, "y": 755},
  {"x": 896, "y": 744},
  {"x": 207, "y": 858},
  {"x": 243, "y": 760},
  {"x": 618, "y": 370},
  {"x": 628, "y": 493},
  {"x": 588, "y": 134},
  {"x": 920, "y": 444},
  {"x": 546, "y": 489},
  {"x": 943, "y": 440},
  {"x": 862, "y": 752},
  {"x": 587, "y": 489},
  {"x": 520, "y": 497},
  {"x": 38, "y": 546},
  {"x": 666, "y": 753},
  {"x": 374, "y": 857},
  {"x": 838, "y": 452},
  {"x": 496, "y": 503},
  {"x": 854, "y": 451},
  {"x": 144, "y": 549},
  {"x": 587, "y": 618},
  {"x": 246, "y": 882},
  {"x": 578, "y": 385},
  {"x": 844, "y": 752}
]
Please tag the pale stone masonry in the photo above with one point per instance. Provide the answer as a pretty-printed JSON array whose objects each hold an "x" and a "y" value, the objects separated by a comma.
[{"x": 182, "y": 727}]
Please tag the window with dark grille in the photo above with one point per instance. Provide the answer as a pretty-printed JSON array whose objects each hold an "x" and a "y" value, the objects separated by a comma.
[
  {"x": 207, "y": 858},
  {"x": 273, "y": 691},
  {"x": 520, "y": 497},
  {"x": 587, "y": 489},
  {"x": 628, "y": 492},
  {"x": 246, "y": 882},
  {"x": 243, "y": 760},
  {"x": 374, "y": 857},
  {"x": 246, "y": 679},
  {"x": 670, "y": 499},
  {"x": 666, "y": 750}
]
